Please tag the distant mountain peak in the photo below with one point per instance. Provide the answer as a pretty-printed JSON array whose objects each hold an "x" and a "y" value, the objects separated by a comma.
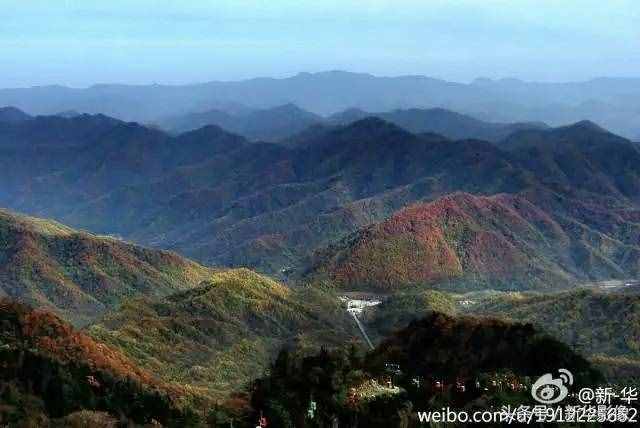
[
  {"x": 333, "y": 73},
  {"x": 207, "y": 130},
  {"x": 482, "y": 81},
  {"x": 370, "y": 121},
  {"x": 373, "y": 123},
  {"x": 288, "y": 108},
  {"x": 511, "y": 81},
  {"x": 372, "y": 127},
  {"x": 579, "y": 130},
  {"x": 69, "y": 114},
  {"x": 12, "y": 115},
  {"x": 10, "y": 109},
  {"x": 349, "y": 115},
  {"x": 507, "y": 81},
  {"x": 438, "y": 120},
  {"x": 352, "y": 110},
  {"x": 586, "y": 125},
  {"x": 211, "y": 136}
]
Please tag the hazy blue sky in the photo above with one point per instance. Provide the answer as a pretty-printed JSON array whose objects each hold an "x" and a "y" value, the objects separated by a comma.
[{"x": 143, "y": 41}]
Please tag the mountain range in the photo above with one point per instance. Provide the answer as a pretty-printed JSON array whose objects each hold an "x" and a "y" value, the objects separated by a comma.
[
  {"x": 356, "y": 204},
  {"x": 189, "y": 325},
  {"x": 222, "y": 200},
  {"x": 440, "y": 121},
  {"x": 272, "y": 124},
  {"x": 288, "y": 123},
  {"x": 611, "y": 102}
]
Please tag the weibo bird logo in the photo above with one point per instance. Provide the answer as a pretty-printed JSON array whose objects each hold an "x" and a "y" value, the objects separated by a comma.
[{"x": 550, "y": 390}]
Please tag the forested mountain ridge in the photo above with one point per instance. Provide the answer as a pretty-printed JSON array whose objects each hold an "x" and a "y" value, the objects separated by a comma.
[
  {"x": 80, "y": 275},
  {"x": 217, "y": 198},
  {"x": 462, "y": 241},
  {"x": 434, "y": 362},
  {"x": 366, "y": 206},
  {"x": 218, "y": 336},
  {"x": 51, "y": 371},
  {"x": 273, "y": 124},
  {"x": 283, "y": 123},
  {"x": 610, "y": 101},
  {"x": 594, "y": 321}
]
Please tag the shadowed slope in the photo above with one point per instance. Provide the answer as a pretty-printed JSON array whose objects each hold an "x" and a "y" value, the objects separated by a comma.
[
  {"x": 272, "y": 124},
  {"x": 448, "y": 123},
  {"x": 583, "y": 156},
  {"x": 593, "y": 321},
  {"x": 441, "y": 345}
]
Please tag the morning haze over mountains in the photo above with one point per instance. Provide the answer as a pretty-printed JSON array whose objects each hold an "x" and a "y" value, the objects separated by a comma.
[
  {"x": 326, "y": 249},
  {"x": 197, "y": 232},
  {"x": 611, "y": 102}
]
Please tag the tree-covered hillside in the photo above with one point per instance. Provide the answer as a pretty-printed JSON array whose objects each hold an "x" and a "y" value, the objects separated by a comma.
[
  {"x": 80, "y": 275},
  {"x": 434, "y": 362},
  {"x": 594, "y": 322},
  {"x": 223, "y": 333},
  {"x": 50, "y": 370},
  {"x": 467, "y": 242}
]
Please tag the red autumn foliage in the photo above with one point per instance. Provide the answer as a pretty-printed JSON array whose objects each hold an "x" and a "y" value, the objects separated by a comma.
[
  {"x": 55, "y": 338},
  {"x": 501, "y": 238}
]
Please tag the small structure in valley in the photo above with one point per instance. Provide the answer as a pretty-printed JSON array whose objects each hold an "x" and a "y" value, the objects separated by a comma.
[{"x": 356, "y": 306}]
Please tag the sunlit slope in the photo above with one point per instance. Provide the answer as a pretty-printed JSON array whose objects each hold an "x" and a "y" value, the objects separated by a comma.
[{"x": 80, "y": 275}]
